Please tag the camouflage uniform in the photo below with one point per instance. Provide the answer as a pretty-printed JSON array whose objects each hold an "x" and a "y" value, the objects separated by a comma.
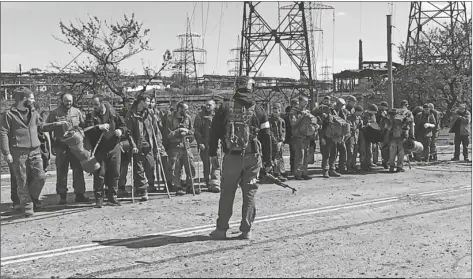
[
  {"x": 278, "y": 134},
  {"x": 179, "y": 149}
]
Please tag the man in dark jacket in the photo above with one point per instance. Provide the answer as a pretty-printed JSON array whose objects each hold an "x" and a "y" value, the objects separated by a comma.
[
  {"x": 288, "y": 138},
  {"x": 461, "y": 125},
  {"x": 424, "y": 125},
  {"x": 126, "y": 146},
  {"x": 20, "y": 146},
  {"x": 144, "y": 131},
  {"x": 179, "y": 133},
  {"x": 202, "y": 125},
  {"x": 245, "y": 154},
  {"x": 64, "y": 155},
  {"x": 108, "y": 128},
  {"x": 435, "y": 133}
]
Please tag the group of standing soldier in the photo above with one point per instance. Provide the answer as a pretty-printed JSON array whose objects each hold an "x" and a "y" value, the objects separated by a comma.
[
  {"x": 158, "y": 143},
  {"x": 371, "y": 130}
]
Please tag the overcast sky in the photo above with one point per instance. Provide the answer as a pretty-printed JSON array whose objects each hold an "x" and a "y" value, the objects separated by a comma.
[{"x": 27, "y": 30}]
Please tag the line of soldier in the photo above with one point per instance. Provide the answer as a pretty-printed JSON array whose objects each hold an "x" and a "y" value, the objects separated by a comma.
[
  {"x": 164, "y": 136},
  {"x": 150, "y": 135},
  {"x": 423, "y": 126}
]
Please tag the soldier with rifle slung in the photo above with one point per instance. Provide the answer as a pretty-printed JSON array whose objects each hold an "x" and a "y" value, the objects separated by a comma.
[{"x": 243, "y": 128}]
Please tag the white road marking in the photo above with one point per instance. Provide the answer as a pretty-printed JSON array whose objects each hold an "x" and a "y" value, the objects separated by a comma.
[{"x": 179, "y": 232}]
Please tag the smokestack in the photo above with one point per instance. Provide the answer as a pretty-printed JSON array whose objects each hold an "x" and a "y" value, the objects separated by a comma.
[{"x": 360, "y": 55}]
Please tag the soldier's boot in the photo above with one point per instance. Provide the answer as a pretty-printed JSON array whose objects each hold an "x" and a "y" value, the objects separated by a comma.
[
  {"x": 63, "y": 199},
  {"x": 214, "y": 189},
  {"x": 306, "y": 177},
  {"x": 245, "y": 235},
  {"x": 325, "y": 174},
  {"x": 112, "y": 198},
  {"x": 455, "y": 158},
  {"x": 98, "y": 202},
  {"x": 145, "y": 197},
  {"x": 81, "y": 198},
  {"x": 465, "y": 158},
  {"x": 399, "y": 169},
  {"x": 333, "y": 173},
  {"x": 391, "y": 169},
  {"x": 219, "y": 234},
  {"x": 385, "y": 165},
  {"x": 37, "y": 205},
  {"x": 29, "y": 210}
]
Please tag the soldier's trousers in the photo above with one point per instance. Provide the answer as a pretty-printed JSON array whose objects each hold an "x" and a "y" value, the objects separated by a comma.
[
  {"x": 463, "y": 140},
  {"x": 329, "y": 154},
  {"x": 29, "y": 173},
  {"x": 396, "y": 149},
  {"x": 125, "y": 159},
  {"x": 180, "y": 157},
  {"x": 64, "y": 158},
  {"x": 13, "y": 186},
  {"x": 236, "y": 171},
  {"x": 143, "y": 171},
  {"x": 433, "y": 144},
  {"x": 211, "y": 167},
  {"x": 342, "y": 151},
  {"x": 109, "y": 171},
  {"x": 291, "y": 156},
  {"x": 278, "y": 160},
  {"x": 365, "y": 152},
  {"x": 301, "y": 155},
  {"x": 352, "y": 151}
]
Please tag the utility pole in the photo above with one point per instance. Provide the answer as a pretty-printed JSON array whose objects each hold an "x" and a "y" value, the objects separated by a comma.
[{"x": 390, "y": 64}]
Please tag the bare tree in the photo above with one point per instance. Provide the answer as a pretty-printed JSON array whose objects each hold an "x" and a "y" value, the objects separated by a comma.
[{"x": 105, "y": 45}]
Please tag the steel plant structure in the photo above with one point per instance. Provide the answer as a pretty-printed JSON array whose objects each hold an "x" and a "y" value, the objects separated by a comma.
[
  {"x": 427, "y": 15},
  {"x": 292, "y": 35}
]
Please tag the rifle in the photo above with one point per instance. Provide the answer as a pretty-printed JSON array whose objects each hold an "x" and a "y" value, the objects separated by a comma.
[{"x": 278, "y": 182}]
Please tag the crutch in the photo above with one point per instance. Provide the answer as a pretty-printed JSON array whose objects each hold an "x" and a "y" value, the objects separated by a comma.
[
  {"x": 132, "y": 179},
  {"x": 132, "y": 171},
  {"x": 198, "y": 169},
  {"x": 161, "y": 164},
  {"x": 161, "y": 167},
  {"x": 186, "y": 145}
]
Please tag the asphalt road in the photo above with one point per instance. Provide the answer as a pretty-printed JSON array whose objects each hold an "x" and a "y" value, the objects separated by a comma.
[{"x": 411, "y": 224}]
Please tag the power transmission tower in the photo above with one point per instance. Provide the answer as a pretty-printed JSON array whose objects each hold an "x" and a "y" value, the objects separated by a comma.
[
  {"x": 291, "y": 34},
  {"x": 425, "y": 16},
  {"x": 234, "y": 63},
  {"x": 186, "y": 62}
]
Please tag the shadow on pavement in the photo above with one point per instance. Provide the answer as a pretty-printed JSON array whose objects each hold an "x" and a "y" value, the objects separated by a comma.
[
  {"x": 152, "y": 241},
  {"x": 13, "y": 217}
]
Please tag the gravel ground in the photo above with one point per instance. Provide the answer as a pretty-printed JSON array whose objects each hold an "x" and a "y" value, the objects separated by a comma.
[{"x": 328, "y": 229}]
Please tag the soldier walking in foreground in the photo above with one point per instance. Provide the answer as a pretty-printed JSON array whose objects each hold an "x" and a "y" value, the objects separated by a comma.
[{"x": 243, "y": 128}]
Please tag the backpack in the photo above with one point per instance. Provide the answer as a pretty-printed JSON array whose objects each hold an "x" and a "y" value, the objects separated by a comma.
[
  {"x": 239, "y": 129},
  {"x": 309, "y": 125},
  {"x": 337, "y": 129},
  {"x": 398, "y": 124}
]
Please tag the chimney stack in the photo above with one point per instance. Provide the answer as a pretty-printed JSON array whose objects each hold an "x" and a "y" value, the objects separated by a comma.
[{"x": 360, "y": 55}]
